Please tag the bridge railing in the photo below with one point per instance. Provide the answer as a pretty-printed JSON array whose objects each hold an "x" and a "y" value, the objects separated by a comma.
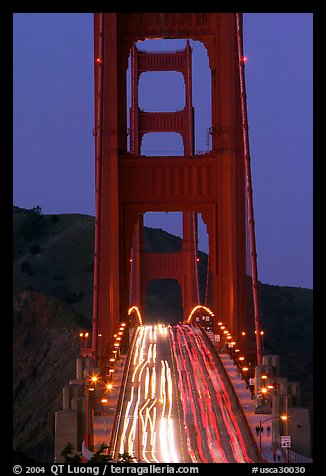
[
  {"x": 231, "y": 387},
  {"x": 298, "y": 458}
]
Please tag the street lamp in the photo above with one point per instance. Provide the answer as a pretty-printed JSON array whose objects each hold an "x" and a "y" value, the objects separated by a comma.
[
  {"x": 92, "y": 383},
  {"x": 88, "y": 388},
  {"x": 86, "y": 338},
  {"x": 111, "y": 372},
  {"x": 281, "y": 417}
]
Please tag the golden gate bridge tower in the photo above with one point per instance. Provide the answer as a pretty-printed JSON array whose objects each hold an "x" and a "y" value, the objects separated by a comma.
[{"x": 216, "y": 184}]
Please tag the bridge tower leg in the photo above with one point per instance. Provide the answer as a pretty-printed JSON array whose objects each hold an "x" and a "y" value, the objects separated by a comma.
[{"x": 128, "y": 185}]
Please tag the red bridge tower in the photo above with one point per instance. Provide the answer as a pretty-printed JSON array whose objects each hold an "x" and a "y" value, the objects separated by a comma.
[{"x": 129, "y": 184}]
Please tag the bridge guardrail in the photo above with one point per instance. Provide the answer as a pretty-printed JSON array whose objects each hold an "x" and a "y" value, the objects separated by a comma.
[{"x": 298, "y": 458}]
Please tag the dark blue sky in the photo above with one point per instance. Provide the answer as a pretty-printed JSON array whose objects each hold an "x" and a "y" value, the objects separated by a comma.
[{"x": 53, "y": 121}]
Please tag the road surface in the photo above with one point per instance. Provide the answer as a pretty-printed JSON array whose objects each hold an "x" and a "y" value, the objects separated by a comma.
[{"x": 176, "y": 406}]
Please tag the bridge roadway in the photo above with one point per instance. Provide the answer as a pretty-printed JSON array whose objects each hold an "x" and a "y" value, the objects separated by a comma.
[{"x": 177, "y": 408}]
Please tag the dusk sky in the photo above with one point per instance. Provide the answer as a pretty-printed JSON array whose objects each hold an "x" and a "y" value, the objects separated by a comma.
[{"x": 53, "y": 162}]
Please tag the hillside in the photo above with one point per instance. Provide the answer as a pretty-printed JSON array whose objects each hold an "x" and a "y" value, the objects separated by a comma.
[
  {"x": 45, "y": 348},
  {"x": 53, "y": 282},
  {"x": 287, "y": 318},
  {"x": 63, "y": 266}
]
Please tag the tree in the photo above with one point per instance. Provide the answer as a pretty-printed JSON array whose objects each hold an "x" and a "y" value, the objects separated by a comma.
[
  {"x": 125, "y": 457},
  {"x": 99, "y": 456},
  {"x": 33, "y": 225},
  {"x": 69, "y": 456},
  {"x": 37, "y": 210}
]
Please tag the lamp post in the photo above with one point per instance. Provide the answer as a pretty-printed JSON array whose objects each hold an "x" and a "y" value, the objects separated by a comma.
[
  {"x": 89, "y": 386},
  {"x": 81, "y": 335},
  {"x": 85, "y": 351},
  {"x": 282, "y": 417},
  {"x": 286, "y": 430},
  {"x": 87, "y": 438},
  {"x": 86, "y": 340},
  {"x": 111, "y": 371}
]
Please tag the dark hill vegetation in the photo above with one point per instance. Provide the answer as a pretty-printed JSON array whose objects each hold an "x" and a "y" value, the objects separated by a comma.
[{"x": 53, "y": 283}]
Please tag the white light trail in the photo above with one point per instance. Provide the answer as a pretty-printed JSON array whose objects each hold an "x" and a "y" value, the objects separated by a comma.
[{"x": 148, "y": 431}]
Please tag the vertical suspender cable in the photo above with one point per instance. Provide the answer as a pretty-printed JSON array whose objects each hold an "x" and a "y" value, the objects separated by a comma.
[
  {"x": 207, "y": 281},
  {"x": 251, "y": 221},
  {"x": 195, "y": 248},
  {"x": 98, "y": 184}
]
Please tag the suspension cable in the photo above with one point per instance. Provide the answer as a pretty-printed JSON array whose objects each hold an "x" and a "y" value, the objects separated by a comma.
[
  {"x": 251, "y": 221},
  {"x": 98, "y": 185}
]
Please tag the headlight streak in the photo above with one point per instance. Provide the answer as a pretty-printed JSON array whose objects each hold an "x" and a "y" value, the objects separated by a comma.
[
  {"x": 148, "y": 398},
  {"x": 143, "y": 432},
  {"x": 166, "y": 424},
  {"x": 170, "y": 421},
  {"x": 126, "y": 424},
  {"x": 146, "y": 383},
  {"x": 153, "y": 382},
  {"x": 148, "y": 426},
  {"x": 163, "y": 394},
  {"x": 139, "y": 345},
  {"x": 134, "y": 425},
  {"x": 154, "y": 436}
]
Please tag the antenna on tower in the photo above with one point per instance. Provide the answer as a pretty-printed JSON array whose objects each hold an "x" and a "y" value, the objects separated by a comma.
[{"x": 208, "y": 138}]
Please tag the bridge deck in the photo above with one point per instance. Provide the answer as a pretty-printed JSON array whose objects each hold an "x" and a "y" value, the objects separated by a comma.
[{"x": 104, "y": 419}]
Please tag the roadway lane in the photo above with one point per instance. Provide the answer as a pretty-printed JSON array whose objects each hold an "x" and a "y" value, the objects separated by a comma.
[
  {"x": 149, "y": 428},
  {"x": 214, "y": 425},
  {"x": 176, "y": 406}
]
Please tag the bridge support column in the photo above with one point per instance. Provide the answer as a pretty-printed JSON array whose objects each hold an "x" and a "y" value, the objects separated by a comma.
[{"x": 65, "y": 428}]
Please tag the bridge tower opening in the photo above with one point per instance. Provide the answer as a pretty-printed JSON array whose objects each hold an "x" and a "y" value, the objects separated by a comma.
[
  {"x": 157, "y": 308},
  {"x": 129, "y": 184}
]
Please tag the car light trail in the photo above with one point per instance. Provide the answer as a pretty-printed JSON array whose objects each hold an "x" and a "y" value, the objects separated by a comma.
[
  {"x": 148, "y": 426},
  {"x": 171, "y": 365}
]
